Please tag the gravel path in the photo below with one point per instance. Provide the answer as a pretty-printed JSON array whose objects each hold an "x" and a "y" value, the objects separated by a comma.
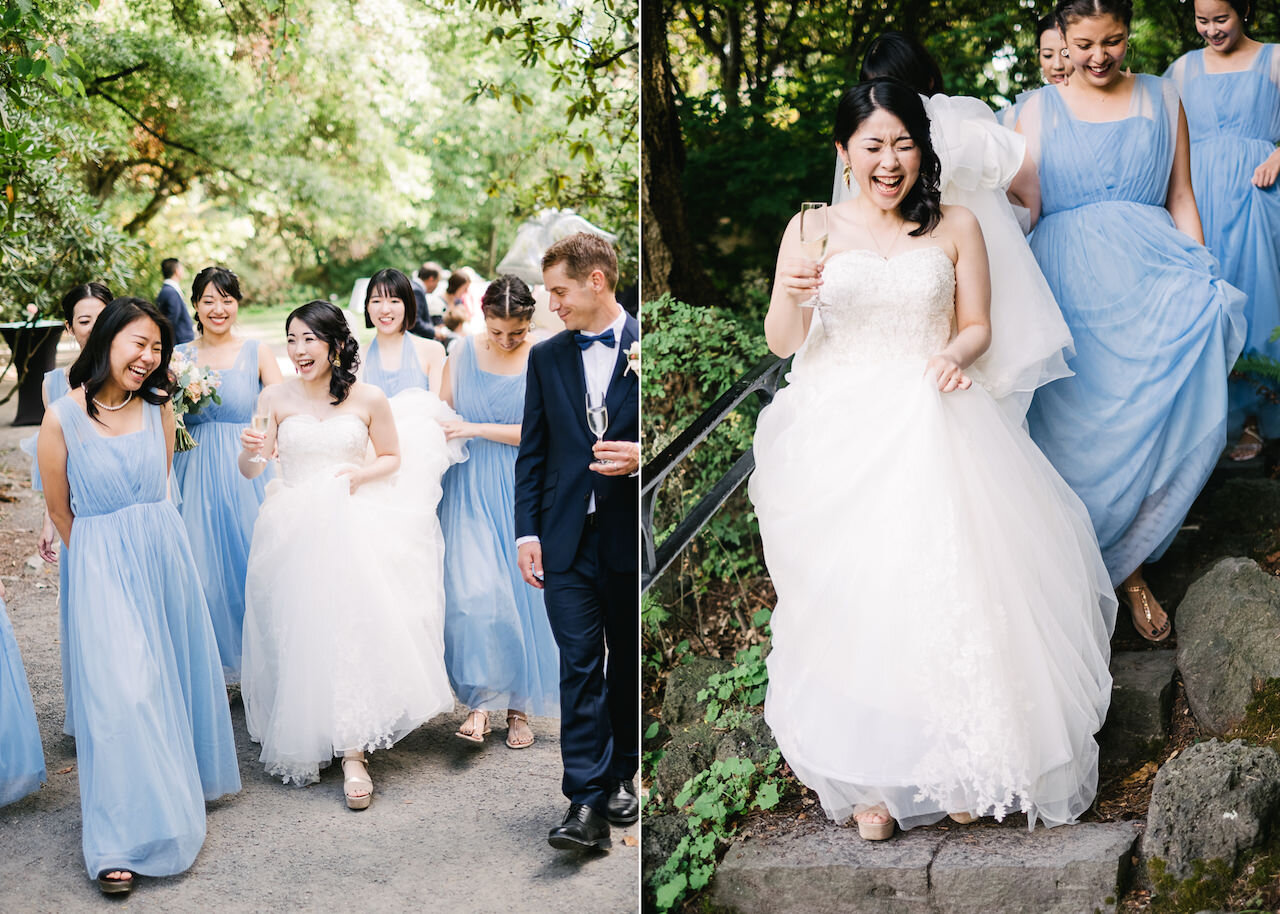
[{"x": 453, "y": 826}]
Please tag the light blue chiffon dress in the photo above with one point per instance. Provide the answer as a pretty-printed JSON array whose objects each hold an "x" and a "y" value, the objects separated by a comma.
[
  {"x": 1140, "y": 426},
  {"x": 56, "y": 387},
  {"x": 409, "y": 376},
  {"x": 153, "y": 733},
  {"x": 219, "y": 506},
  {"x": 498, "y": 645},
  {"x": 21, "y": 755},
  {"x": 1234, "y": 120}
]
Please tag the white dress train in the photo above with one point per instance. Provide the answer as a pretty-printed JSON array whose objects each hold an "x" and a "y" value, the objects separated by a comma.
[{"x": 941, "y": 635}]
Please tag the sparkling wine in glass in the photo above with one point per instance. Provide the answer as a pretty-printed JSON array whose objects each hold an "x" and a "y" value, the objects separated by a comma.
[
  {"x": 260, "y": 423},
  {"x": 597, "y": 419},
  {"x": 813, "y": 238}
]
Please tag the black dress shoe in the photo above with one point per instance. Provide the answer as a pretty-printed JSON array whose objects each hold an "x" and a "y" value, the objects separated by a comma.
[
  {"x": 582, "y": 827},
  {"x": 623, "y": 806}
]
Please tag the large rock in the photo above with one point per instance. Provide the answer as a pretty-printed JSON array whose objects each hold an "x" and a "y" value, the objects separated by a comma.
[
  {"x": 1228, "y": 640},
  {"x": 680, "y": 705},
  {"x": 1067, "y": 870},
  {"x": 1137, "y": 724},
  {"x": 1214, "y": 801},
  {"x": 752, "y": 740},
  {"x": 659, "y": 836},
  {"x": 691, "y": 750}
]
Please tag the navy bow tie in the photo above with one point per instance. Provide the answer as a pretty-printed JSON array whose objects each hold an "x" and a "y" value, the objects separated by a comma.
[{"x": 584, "y": 341}]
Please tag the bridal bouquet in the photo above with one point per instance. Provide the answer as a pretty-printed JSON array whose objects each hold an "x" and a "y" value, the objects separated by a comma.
[{"x": 196, "y": 387}]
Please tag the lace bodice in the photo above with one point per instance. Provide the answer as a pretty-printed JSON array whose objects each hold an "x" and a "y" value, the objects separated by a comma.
[
  {"x": 877, "y": 310},
  {"x": 310, "y": 447}
]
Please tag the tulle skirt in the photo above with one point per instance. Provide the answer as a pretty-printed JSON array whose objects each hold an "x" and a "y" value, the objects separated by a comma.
[
  {"x": 153, "y": 732},
  {"x": 1139, "y": 428},
  {"x": 344, "y": 618},
  {"x": 1242, "y": 229},
  {"x": 21, "y": 755},
  {"x": 940, "y": 641},
  {"x": 219, "y": 508}
]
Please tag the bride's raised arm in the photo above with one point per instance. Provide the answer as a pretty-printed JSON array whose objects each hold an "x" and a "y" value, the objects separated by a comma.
[{"x": 796, "y": 280}]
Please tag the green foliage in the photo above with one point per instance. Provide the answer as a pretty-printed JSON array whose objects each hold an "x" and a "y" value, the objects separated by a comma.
[
  {"x": 714, "y": 801},
  {"x": 53, "y": 233},
  {"x": 692, "y": 355},
  {"x": 1214, "y": 886},
  {"x": 737, "y": 693},
  {"x": 1261, "y": 723}
]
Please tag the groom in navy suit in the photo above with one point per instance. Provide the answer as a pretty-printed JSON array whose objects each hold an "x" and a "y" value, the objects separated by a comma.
[{"x": 577, "y": 529}]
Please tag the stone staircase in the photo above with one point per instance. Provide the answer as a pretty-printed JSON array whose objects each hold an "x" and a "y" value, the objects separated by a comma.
[{"x": 805, "y": 863}]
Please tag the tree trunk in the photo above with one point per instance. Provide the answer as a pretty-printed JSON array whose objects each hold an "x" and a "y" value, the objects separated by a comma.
[{"x": 668, "y": 260}]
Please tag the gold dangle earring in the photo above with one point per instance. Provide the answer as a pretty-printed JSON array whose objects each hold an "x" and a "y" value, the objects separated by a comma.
[{"x": 848, "y": 176}]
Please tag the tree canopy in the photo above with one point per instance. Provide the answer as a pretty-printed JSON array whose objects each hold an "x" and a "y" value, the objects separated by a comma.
[
  {"x": 746, "y": 92},
  {"x": 304, "y": 143}
]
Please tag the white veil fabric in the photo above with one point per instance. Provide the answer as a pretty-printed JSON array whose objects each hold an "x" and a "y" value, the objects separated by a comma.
[{"x": 1030, "y": 342}]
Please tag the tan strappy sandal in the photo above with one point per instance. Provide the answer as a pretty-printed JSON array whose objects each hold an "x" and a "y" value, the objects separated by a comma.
[
  {"x": 524, "y": 718},
  {"x": 475, "y": 734}
]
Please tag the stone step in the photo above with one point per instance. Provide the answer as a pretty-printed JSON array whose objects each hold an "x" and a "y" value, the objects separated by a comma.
[
  {"x": 822, "y": 869},
  {"x": 1137, "y": 724}
]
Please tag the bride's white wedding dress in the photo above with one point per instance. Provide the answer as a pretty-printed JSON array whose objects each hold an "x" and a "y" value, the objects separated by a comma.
[
  {"x": 343, "y": 629},
  {"x": 941, "y": 636}
]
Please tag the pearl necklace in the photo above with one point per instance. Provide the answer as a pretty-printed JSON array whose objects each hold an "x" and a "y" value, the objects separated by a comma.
[{"x": 111, "y": 409}]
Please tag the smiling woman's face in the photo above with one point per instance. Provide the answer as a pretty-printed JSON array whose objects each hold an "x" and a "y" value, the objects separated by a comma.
[
  {"x": 1097, "y": 45},
  {"x": 1055, "y": 65},
  {"x": 308, "y": 352},
  {"x": 883, "y": 158},
  {"x": 135, "y": 353}
]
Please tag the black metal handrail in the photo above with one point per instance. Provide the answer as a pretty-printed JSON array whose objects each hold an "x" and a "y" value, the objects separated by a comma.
[{"x": 762, "y": 380}]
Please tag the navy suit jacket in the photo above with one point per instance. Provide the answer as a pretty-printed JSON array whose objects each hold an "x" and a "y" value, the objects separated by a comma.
[
  {"x": 171, "y": 305},
  {"x": 553, "y": 484}
]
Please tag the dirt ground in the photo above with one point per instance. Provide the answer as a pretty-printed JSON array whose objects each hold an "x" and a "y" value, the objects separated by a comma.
[{"x": 453, "y": 826}]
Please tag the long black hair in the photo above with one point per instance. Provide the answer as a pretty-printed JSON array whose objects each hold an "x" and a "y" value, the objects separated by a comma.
[
  {"x": 326, "y": 321},
  {"x": 896, "y": 55},
  {"x": 508, "y": 297},
  {"x": 77, "y": 294},
  {"x": 222, "y": 279},
  {"x": 1068, "y": 11},
  {"x": 93, "y": 368},
  {"x": 392, "y": 284},
  {"x": 923, "y": 202}
]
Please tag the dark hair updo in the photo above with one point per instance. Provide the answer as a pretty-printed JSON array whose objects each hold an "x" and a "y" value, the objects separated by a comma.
[
  {"x": 392, "y": 284},
  {"x": 93, "y": 368},
  {"x": 1046, "y": 23},
  {"x": 222, "y": 279},
  {"x": 77, "y": 294},
  {"x": 1068, "y": 11},
  {"x": 923, "y": 202},
  {"x": 896, "y": 55},
  {"x": 508, "y": 297},
  {"x": 326, "y": 321}
]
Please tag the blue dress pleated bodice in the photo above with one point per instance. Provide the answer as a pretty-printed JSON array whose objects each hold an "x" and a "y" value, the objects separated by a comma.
[
  {"x": 409, "y": 376},
  {"x": 1140, "y": 426},
  {"x": 151, "y": 717},
  {"x": 219, "y": 506},
  {"x": 21, "y": 755},
  {"x": 1234, "y": 120},
  {"x": 498, "y": 643}
]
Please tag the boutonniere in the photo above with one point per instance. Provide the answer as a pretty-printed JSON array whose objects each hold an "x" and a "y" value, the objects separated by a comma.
[{"x": 633, "y": 359}]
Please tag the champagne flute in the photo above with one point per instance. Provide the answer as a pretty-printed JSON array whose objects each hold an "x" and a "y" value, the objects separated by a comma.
[
  {"x": 260, "y": 423},
  {"x": 813, "y": 238},
  {"x": 597, "y": 419}
]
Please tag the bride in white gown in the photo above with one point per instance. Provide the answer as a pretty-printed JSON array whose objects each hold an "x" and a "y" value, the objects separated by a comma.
[
  {"x": 343, "y": 633},
  {"x": 941, "y": 635}
]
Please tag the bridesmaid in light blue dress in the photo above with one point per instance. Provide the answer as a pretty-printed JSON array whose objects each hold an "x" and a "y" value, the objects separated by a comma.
[
  {"x": 80, "y": 309},
  {"x": 1138, "y": 429},
  {"x": 1231, "y": 90},
  {"x": 499, "y": 648},
  {"x": 21, "y": 755},
  {"x": 153, "y": 733},
  {"x": 219, "y": 506},
  {"x": 416, "y": 363}
]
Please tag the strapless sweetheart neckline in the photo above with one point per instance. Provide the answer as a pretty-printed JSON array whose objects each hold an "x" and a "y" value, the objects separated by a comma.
[{"x": 880, "y": 257}]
